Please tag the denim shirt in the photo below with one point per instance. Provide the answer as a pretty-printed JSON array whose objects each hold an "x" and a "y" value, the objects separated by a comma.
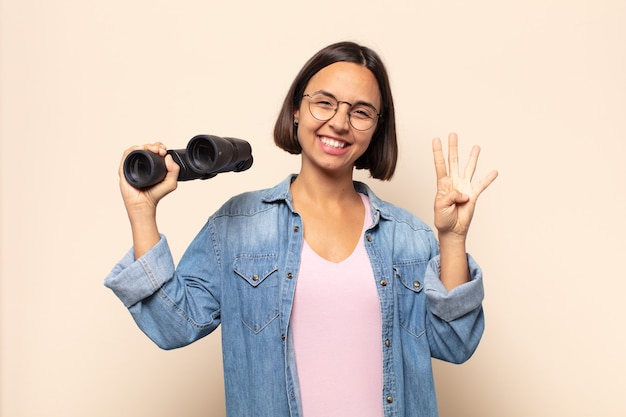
[{"x": 241, "y": 271}]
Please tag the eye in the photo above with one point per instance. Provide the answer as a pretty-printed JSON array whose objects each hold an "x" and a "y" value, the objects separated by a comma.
[
  {"x": 322, "y": 102},
  {"x": 363, "y": 112}
]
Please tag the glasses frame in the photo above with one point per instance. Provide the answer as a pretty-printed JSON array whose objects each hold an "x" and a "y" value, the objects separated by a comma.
[{"x": 310, "y": 97}]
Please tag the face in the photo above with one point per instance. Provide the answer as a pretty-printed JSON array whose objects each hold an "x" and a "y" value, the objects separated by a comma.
[{"x": 334, "y": 145}]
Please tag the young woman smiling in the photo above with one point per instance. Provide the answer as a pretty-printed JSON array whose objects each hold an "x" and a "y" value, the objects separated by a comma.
[{"x": 331, "y": 301}]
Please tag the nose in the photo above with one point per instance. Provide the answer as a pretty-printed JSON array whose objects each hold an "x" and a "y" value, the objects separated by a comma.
[{"x": 341, "y": 119}]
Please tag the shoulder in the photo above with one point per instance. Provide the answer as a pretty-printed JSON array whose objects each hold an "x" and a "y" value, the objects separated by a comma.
[
  {"x": 408, "y": 236},
  {"x": 391, "y": 212},
  {"x": 253, "y": 202},
  {"x": 244, "y": 204}
]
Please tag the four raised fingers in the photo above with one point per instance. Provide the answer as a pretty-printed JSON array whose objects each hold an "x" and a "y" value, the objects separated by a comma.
[{"x": 452, "y": 169}]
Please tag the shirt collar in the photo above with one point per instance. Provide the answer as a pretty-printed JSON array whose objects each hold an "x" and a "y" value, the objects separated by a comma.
[{"x": 281, "y": 192}]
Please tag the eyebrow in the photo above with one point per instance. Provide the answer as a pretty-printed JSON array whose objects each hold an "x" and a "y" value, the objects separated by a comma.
[{"x": 326, "y": 93}]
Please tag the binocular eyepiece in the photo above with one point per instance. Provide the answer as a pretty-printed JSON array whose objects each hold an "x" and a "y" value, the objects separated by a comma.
[{"x": 205, "y": 157}]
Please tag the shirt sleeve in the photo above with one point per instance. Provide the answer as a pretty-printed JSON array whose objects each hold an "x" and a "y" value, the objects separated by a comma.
[
  {"x": 134, "y": 280},
  {"x": 171, "y": 307},
  {"x": 461, "y": 300},
  {"x": 455, "y": 318}
]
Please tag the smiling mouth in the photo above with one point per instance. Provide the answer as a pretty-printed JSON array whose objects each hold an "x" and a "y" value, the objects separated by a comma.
[{"x": 333, "y": 143}]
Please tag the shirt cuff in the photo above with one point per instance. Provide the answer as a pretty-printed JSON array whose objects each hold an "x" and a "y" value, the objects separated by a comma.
[
  {"x": 134, "y": 280},
  {"x": 450, "y": 305}
]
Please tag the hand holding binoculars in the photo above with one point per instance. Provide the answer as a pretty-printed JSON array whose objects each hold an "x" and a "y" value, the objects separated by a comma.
[{"x": 205, "y": 157}]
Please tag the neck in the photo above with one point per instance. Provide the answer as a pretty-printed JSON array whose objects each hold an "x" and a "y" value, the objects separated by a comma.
[{"x": 323, "y": 188}]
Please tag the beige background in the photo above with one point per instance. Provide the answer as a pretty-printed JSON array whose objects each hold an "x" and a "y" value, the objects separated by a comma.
[{"x": 540, "y": 85}]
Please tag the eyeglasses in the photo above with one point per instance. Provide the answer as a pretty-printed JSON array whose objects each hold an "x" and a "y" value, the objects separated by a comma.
[{"x": 323, "y": 106}]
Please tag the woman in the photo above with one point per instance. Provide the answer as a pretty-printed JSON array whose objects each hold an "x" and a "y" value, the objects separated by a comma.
[{"x": 331, "y": 301}]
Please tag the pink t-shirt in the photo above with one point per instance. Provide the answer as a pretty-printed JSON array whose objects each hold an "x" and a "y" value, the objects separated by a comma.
[{"x": 336, "y": 327}]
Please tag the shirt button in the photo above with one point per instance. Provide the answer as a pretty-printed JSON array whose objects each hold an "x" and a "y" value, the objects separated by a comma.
[
  {"x": 387, "y": 342},
  {"x": 383, "y": 282},
  {"x": 416, "y": 284},
  {"x": 369, "y": 238},
  {"x": 296, "y": 228},
  {"x": 289, "y": 275},
  {"x": 389, "y": 399},
  {"x": 255, "y": 277}
]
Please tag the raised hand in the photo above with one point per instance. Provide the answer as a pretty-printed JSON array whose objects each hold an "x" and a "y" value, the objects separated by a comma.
[
  {"x": 456, "y": 192},
  {"x": 148, "y": 199},
  {"x": 141, "y": 204}
]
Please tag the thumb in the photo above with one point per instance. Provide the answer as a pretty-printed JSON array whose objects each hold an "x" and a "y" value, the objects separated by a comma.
[
  {"x": 172, "y": 167},
  {"x": 454, "y": 197}
]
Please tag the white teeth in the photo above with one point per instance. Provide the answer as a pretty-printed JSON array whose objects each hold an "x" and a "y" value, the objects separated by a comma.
[{"x": 332, "y": 142}]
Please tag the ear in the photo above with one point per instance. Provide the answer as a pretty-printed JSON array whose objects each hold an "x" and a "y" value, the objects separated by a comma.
[{"x": 296, "y": 116}]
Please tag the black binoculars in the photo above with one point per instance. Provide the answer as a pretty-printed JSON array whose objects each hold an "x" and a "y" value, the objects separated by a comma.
[{"x": 205, "y": 157}]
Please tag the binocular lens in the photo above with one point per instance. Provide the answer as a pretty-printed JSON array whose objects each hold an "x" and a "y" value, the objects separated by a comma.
[
  {"x": 142, "y": 168},
  {"x": 202, "y": 155}
]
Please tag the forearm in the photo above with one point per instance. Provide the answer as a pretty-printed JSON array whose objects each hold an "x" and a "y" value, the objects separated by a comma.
[
  {"x": 145, "y": 232},
  {"x": 454, "y": 266}
]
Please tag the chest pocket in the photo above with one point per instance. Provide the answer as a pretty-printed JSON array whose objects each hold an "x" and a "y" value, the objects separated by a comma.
[
  {"x": 411, "y": 298},
  {"x": 258, "y": 286}
]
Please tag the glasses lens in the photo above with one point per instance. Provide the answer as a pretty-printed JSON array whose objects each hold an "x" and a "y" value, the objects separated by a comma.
[
  {"x": 322, "y": 107},
  {"x": 362, "y": 116}
]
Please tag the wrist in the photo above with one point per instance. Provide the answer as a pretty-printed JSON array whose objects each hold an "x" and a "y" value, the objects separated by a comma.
[
  {"x": 140, "y": 211},
  {"x": 142, "y": 219},
  {"x": 452, "y": 239}
]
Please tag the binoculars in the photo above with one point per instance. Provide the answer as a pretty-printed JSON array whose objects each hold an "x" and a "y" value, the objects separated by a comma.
[{"x": 205, "y": 157}]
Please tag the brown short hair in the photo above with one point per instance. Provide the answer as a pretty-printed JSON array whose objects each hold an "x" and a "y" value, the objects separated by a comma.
[{"x": 381, "y": 156}]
